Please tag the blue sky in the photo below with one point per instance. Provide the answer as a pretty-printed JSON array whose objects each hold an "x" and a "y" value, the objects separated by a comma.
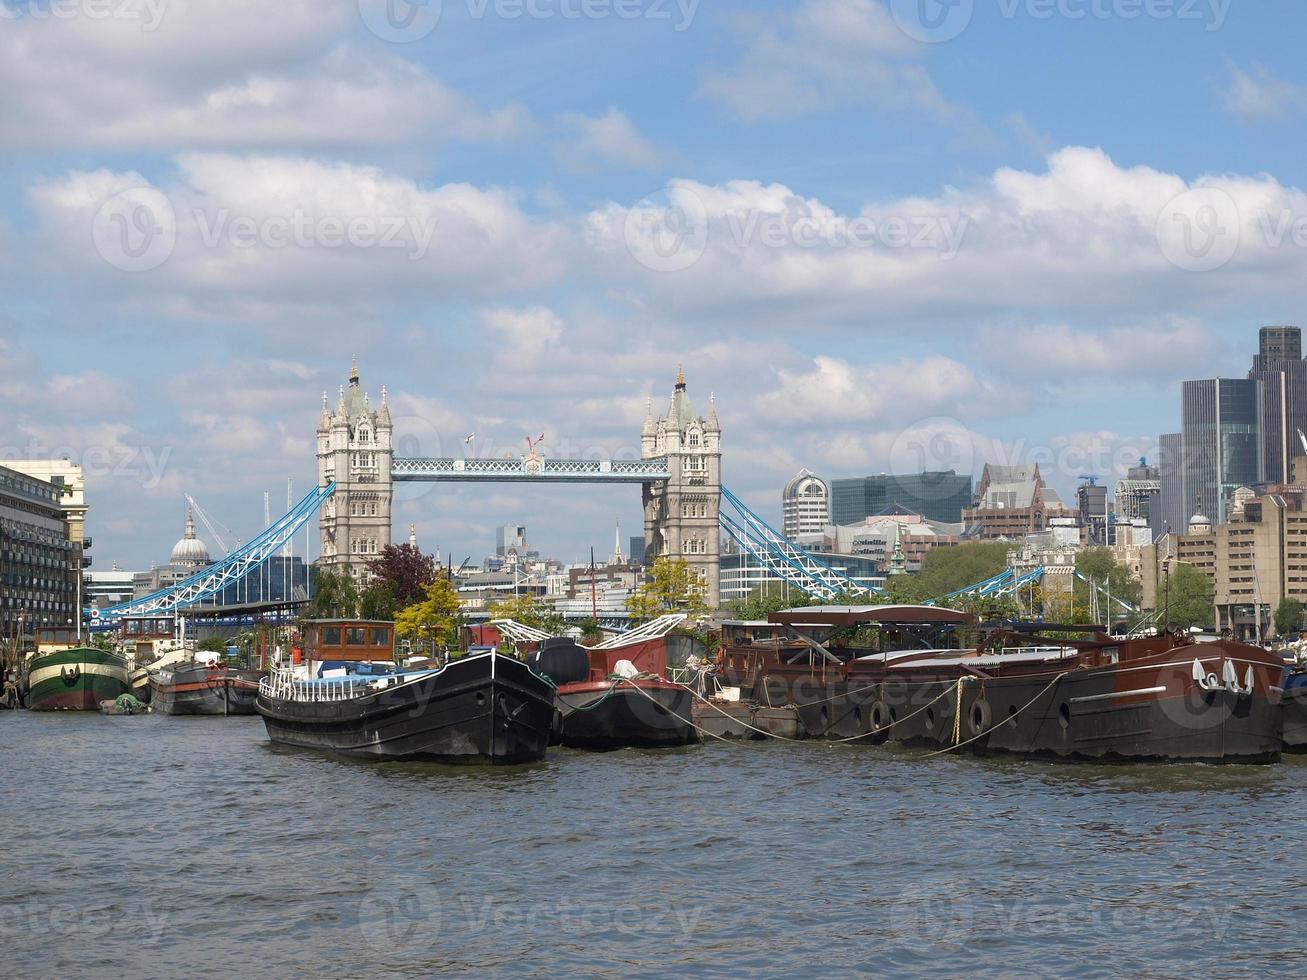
[{"x": 1042, "y": 302}]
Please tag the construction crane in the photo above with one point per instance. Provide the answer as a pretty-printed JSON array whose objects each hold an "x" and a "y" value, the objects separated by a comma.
[{"x": 208, "y": 524}]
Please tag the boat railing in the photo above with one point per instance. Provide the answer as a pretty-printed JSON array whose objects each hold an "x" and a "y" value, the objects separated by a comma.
[{"x": 284, "y": 685}]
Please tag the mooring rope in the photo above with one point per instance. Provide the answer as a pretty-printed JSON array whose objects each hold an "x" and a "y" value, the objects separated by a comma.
[{"x": 1053, "y": 683}]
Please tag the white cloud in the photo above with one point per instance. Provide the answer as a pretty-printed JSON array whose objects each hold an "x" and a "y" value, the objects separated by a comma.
[
  {"x": 825, "y": 54},
  {"x": 600, "y": 141},
  {"x": 218, "y": 74},
  {"x": 1257, "y": 95},
  {"x": 1081, "y": 235},
  {"x": 286, "y": 230}
]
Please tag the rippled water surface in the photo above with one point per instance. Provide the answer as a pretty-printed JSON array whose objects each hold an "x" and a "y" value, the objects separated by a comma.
[{"x": 191, "y": 847}]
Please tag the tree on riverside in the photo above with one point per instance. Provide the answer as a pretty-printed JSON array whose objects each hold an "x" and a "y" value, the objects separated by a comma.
[
  {"x": 770, "y": 598},
  {"x": 1288, "y": 616},
  {"x": 947, "y": 569},
  {"x": 335, "y": 596},
  {"x": 406, "y": 570},
  {"x": 1190, "y": 598},
  {"x": 436, "y": 618},
  {"x": 673, "y": 586},
  {"x": 529, "y": 610}
]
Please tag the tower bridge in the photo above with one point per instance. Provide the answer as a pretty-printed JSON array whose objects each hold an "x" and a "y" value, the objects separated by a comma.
[{"x": 679, "y": 472}]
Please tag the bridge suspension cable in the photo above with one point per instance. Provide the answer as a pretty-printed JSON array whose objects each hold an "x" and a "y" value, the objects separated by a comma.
[
  {"x": 211, "y": 581},
  {"x": 781, "y": 556}
]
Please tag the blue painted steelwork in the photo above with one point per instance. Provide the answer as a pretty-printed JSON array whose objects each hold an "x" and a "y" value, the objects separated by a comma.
[
  {"x": 530, "y": 469},
  {"x": 781, "y": 556},
  {"x": 210, "y": 581}
]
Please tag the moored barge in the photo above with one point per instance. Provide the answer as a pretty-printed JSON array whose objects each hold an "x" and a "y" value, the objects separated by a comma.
[
  {"x": 485, "y": 708},
  {"x": 76, "y": 679},
  {"x": 902, "y": 674},
  {"x": 193, "y": 687}
]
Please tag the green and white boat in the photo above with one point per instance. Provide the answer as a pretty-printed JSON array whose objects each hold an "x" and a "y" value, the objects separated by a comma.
[{"x": 75, "y": 680}]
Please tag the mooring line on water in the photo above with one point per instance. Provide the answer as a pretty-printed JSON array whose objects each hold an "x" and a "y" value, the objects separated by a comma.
[
  {"x": 1053, "y": 683},
  {"x": 686, "y": 721},
  {"x": 832, "y": 741}
]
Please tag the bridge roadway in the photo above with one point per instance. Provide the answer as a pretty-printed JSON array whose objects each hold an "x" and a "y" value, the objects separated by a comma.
[{"x": 529, "y": 469}]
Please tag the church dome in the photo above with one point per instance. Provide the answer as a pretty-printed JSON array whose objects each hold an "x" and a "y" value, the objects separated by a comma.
[{"x": 190, "y": 550}]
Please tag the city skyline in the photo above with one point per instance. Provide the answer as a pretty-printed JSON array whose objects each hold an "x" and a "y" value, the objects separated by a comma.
[{"x": 527, "y": 297}]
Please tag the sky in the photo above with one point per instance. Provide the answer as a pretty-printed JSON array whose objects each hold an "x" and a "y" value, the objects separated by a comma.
[{"x": 887, "y": 234}]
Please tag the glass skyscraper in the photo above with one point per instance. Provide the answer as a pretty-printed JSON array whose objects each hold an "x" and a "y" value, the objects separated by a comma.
[
  {"x": 935, "y": 496},
  {"x": 1222, "y": 450}
]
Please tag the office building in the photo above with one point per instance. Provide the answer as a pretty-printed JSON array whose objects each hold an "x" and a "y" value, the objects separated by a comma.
[
  {"x": 1139, "y": 494},
  {"x": 510, "y": 539},
  {"x": 40, "y": 564},
  {"x": 1220, "y": 443},
  {"x": 1012, "y": 502},
  {"x": 1254, "y": 560},
  {"x": 805, "y": 505},
  {"x": 938, "y": 496},
  {"x": 1173, "y": 495},
  {"x": 1281, "y": 378},
  {"x": 1091, "y": 500}
]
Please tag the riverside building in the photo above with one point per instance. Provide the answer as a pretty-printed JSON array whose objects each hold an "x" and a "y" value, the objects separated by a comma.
[{"x": 40, "y": 564}]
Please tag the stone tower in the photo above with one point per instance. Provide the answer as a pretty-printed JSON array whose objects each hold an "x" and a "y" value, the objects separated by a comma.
[
  {"x": 681, "y": 516},
  {"x": 354, "y": 449}
]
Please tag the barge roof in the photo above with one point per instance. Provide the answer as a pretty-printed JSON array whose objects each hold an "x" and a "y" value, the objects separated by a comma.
[{"x": 831, "y": 616}]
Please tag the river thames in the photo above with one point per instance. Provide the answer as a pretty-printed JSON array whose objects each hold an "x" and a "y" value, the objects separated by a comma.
[{"x": 191, "y": 847}]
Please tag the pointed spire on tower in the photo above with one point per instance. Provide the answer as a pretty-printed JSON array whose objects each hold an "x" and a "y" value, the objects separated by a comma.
[
  {"x": 680, "y": 376},
  {"x": 713, "y": 424},
  {"x": 383, "y": 417},
  {"x": 354, "y": 370},
  {"x": 340, "y": 405},
  {"x": 649, "y": 428},
  {"x": 618, "y": 558}
]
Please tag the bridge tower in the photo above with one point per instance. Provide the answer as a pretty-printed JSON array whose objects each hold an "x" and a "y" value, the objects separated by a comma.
[
  {"x": 355, "y": 450},
  {"x": 681, "y": 515}
]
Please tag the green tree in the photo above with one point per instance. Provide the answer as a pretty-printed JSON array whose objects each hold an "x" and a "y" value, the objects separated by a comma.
[
  {"x": 673, "y": 586},
  {"x": 529, "y": 610},
  {"x": 335, "y": 595},
  {"x": 214, "y": 644},
  {"x": 1288, "y": 616},
  {"x": 590, "y": 631},
  {"x": 1190, "y": 598},
  {"x": 769, "y": 598},
  {"x": 436, "y": 618},
  {"x": 379, "y": 601},
  {"x": 945, "y": 570}
]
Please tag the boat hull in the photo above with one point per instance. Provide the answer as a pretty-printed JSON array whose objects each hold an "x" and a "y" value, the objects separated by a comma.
[
  {"x": 486, "y": 709},
  {"x": 1152, "y": 711},
  {"x": 1295, "y": 713},
  {"x": 199, "y": 690},
  {"x": 75, "y": 680},
  {"x": 629, "y": 714}
]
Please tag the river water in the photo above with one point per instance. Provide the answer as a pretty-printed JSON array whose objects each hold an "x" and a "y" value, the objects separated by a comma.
[{"x": 191, "y": 847}]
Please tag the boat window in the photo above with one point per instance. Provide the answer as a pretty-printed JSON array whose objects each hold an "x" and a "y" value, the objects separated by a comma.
[
  {"x": 331, "y": 636},
  {"x": 355, "y": 636},
  {"x": 380, "y": 637}
]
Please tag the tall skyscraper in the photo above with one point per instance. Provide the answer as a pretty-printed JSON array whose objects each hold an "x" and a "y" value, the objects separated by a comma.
[
  {"x": 805, "y": 505},
  {"x": 1174, "y": 497},
  {"x": 1221, "y": 444},
  {"x": 1281, "y": 377},
  {"x": 937, "y": 496}
]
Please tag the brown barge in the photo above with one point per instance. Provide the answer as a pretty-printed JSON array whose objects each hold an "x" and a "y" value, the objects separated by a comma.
[{"x": 904, "y": 674}]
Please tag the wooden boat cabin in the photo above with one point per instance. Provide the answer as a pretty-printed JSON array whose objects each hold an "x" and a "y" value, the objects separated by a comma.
[{"x": 349, "y": 641}]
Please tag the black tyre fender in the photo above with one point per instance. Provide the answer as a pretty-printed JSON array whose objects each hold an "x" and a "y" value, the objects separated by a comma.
[{"x": 980, "y": 718}]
